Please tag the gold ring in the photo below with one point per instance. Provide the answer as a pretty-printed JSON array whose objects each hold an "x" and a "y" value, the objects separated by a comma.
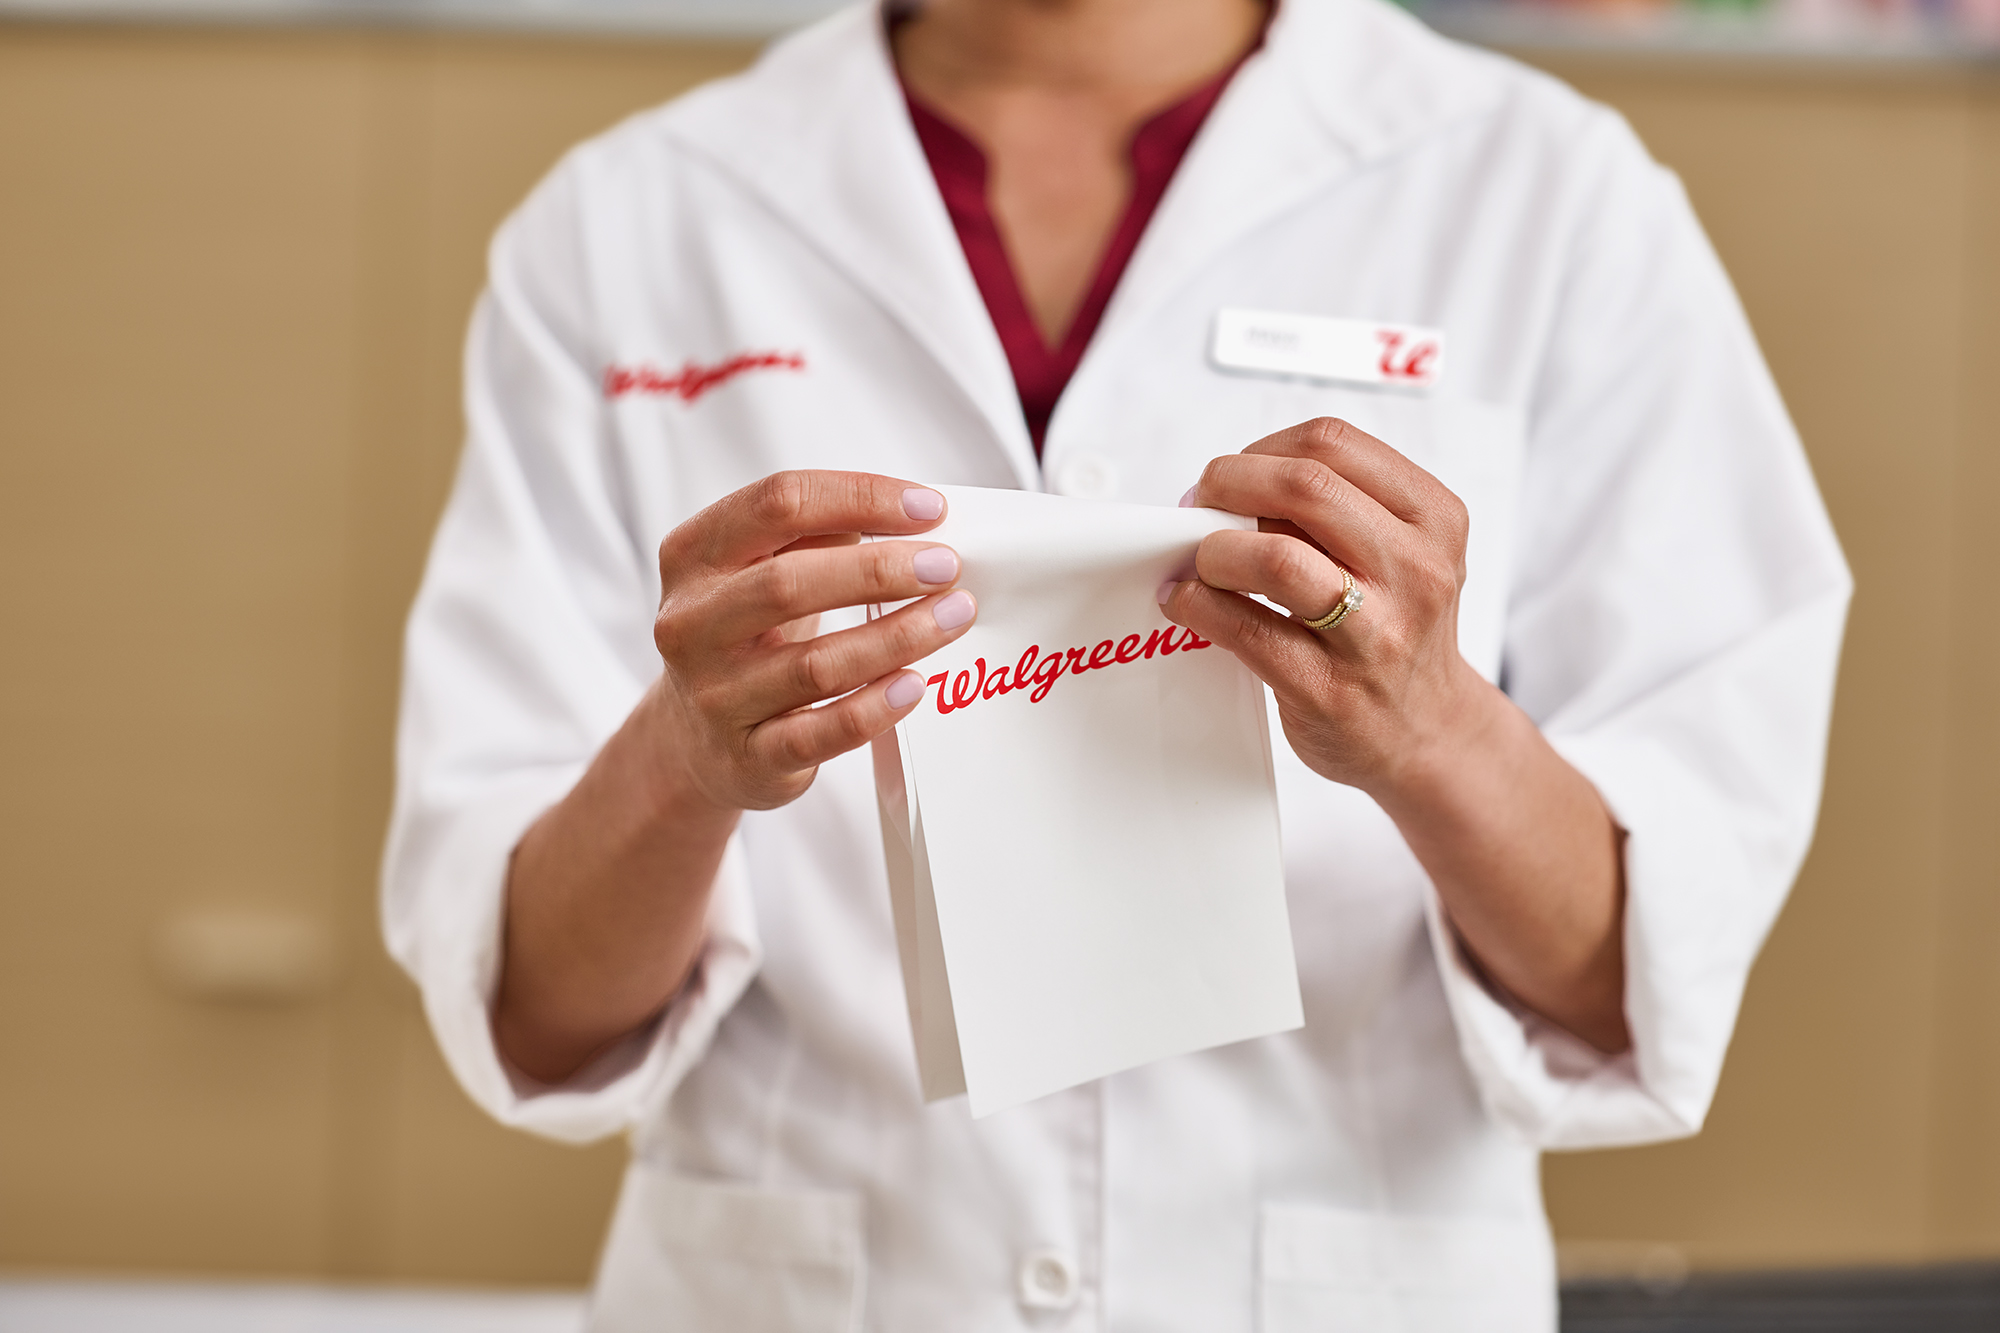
[{"x": 1350, "y": 600}]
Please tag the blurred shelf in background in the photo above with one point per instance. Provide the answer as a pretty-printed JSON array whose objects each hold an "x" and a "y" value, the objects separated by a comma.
[
  {"x": 705, "y": 19},
  {"x": 1893, "y": 31}
]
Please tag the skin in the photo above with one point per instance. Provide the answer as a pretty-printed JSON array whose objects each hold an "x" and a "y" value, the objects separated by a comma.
[
  {"x": 1053, "y": 91},
  {"x": 1525, "y": 857},
  {"x": 607, "y": 891}
]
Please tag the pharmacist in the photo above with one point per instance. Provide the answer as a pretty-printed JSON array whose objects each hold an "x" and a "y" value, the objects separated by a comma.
[{"x": 1548, "y": 767}]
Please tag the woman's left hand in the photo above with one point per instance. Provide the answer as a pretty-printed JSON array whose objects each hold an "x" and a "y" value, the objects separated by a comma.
[
  {"x": 1526, "y": 859},
  {"x": 1376, "y": 698}
]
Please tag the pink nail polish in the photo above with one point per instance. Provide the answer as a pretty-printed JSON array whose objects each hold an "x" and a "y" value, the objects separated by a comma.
[
  {"x": 1167, "y": 590},
  {"x": 922, "y": 504},
  {"x": 936, "y": 564},
  {"x": 954, "y": 610},
  {"x": 904, "y": 690},
  {"x": 1187, "y": 501}
]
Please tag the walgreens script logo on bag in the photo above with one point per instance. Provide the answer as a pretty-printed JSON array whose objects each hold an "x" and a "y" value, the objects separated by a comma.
[
  {"x": 1125, "y": 901},
  {"x": 1039, "y": 673}
]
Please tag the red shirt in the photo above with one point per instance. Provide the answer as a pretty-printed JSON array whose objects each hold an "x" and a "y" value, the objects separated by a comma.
[{"x": 1040, "y": 371}]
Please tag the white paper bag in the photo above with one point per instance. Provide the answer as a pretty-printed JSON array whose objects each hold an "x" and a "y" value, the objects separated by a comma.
[{"x": 1080, "y": 819}]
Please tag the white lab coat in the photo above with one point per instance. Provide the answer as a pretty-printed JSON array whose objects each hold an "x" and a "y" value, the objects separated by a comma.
[{"x": 1652, "y": 577}]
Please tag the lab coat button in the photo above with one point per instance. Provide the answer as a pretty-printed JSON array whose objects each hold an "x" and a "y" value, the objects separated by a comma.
[
  {"x": 1088, "y": 477},
  {"x": 1047, "y": 1280}
]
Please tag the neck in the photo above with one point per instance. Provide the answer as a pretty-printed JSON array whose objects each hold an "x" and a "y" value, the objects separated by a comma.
[
  {"x": 1053, "y": 91},
  {"x": 1119, "y": 49}
]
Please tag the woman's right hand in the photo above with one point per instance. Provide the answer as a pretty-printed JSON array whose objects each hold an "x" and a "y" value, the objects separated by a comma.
[
  {"x": 746, "y": 684},
  {"x": 608, "y": 890}
]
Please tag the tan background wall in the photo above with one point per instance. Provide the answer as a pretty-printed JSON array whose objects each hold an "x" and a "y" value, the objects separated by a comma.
[
  {"x": 1858, "y": 1119},
  {"x": 234, "y": 271}
]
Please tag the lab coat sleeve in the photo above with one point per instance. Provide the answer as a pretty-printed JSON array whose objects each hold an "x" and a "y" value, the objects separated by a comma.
[
  {"x": 1674, "y": 624},
  {"x": 529, "y": 643}
]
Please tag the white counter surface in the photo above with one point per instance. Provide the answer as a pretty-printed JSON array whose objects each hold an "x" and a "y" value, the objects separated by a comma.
[{"x": 74, "y": 1305}]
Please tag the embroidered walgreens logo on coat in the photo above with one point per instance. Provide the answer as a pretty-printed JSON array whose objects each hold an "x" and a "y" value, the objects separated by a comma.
[{"x": 693, "y": 379}]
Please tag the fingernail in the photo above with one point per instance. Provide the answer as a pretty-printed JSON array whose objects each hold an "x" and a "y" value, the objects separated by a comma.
[
  {"x": 1167, "y": 590},
  {"x": 1187, "y": 501},
  {"x": 936, "y": 564},
  {"x": 954, "y": 610},
  {"x": 904, "y": 690},
  {"x": 923, "y": 505}
]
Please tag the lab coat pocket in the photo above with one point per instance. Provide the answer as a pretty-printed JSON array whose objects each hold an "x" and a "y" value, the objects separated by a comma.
[
  {"x": 1336, "y": 1270},
  {"x": 687, "y": 1254}
]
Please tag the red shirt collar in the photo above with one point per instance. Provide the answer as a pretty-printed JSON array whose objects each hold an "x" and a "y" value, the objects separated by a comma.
[{"x": 1042, "y": 372}]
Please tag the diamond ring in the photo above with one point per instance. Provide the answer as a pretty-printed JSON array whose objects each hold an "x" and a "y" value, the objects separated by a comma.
[{"x": 1350, "y": 600}]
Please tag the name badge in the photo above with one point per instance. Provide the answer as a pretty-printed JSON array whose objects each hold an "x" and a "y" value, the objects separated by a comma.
[{"x": 1349, "y": 351}]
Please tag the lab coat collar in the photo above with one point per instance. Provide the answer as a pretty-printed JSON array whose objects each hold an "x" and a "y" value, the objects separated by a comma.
[
  {"x": 1339, "y": 85},
  {"x": 819, "y": 131},
  {"x": 1376, "y": 79}
]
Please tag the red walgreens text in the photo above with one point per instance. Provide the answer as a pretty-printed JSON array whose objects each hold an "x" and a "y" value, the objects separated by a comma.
[
  {"x": 1042, "y": 673},
  {"x": 691, "y": 381}
]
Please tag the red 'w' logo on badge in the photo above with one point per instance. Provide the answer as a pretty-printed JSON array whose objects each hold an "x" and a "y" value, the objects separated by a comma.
[
  {"x": 693, "y": 379},
  {"x": 1407, "y": 360}
]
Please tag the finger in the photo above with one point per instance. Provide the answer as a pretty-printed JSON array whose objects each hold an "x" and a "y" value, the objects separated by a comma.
[
  {"x": 1295, "y": 575},
  {"x": 1382, "y": 472},
  {"x": 810, "y": 736},
  {"x": 804, "y": 582},
  {"x": 807, "y": 626},
  {"x": 1327, "y": 507},
  {"x": 825, "y": 539},
  {"x": 796, "y": 675},
  {"x": 1282, "y": 653},
  {"x": 771, "y": 514}
]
